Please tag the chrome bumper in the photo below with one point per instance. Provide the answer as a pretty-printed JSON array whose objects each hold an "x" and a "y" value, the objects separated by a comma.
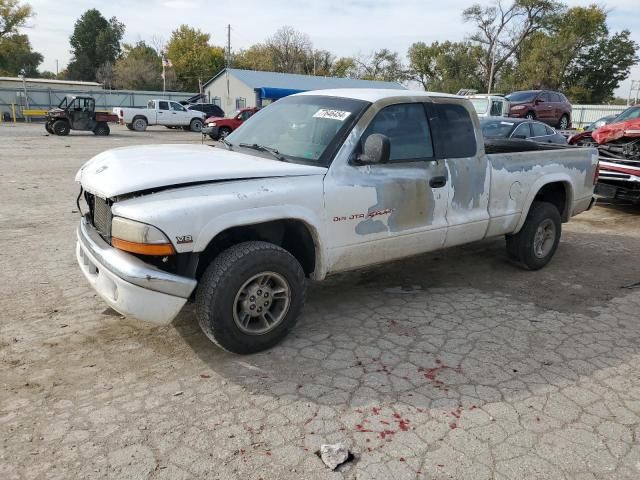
[{"x": 130, "y": 268}]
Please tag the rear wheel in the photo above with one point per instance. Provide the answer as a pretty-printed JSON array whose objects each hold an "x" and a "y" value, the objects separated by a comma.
[
  {"x": 563, "y": 124},
  {"x": 61, "y": 127},
  {"x": 102, "y": 129},
  {"x": 535, "y": 244},
  {"x": 129, "y": 126},
  {"x": 250, "y": 297},
  {"x": 140, "y": 124},
  {"x": 196, "y": 125}
]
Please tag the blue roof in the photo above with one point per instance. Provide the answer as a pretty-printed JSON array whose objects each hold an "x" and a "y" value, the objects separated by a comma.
[{"x": 255, "y": 79}]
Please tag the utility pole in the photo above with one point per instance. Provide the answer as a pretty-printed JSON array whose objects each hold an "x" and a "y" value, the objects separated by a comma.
[
  {"x": 229, "y": 44},
  {"x": 635, "y": 86},
  {"x": 56, "y": 68},
  {"x": 491, "y": 71}
]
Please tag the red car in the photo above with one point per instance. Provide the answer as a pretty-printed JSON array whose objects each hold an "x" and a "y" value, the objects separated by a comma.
[
  {"x": 220, "y": 127},
  {"x": 552, "y": 108}
]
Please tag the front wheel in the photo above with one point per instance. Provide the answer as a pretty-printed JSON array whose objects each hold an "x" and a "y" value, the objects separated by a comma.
[
  {"x": 61, "y": 127},
  {"x": 140, "y": 124},
  {"x": 530, "y": 116},
  {"x": 535, "y": 244},
  {"x": 250, "y": 297},
  {"x": 47, "y": 127}
]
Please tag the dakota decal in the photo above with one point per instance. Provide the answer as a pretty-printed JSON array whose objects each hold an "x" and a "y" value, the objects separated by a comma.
[{"x": 360, "y": 216}]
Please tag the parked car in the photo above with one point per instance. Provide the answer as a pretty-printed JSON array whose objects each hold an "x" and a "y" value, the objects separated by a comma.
[
  {"x": 373, "y": 176},
  {"x": 160, "y": 112},
  {"x": 618, "y": 145},
  {"x": 522, "y": 129},
  {"x": 552, "y": 108},
  {"x": 209, "y": 109},
  {"x": 600, "y": 122},
  {"x": 220, "y": 127},
  {"x": 490, "y": 105}
]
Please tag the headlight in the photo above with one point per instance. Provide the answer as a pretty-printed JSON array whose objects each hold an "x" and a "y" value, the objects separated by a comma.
[
  {"x": 212, "y": 124},
  {"x": 518, "y": 107},
  {"x": 138, "y": 237}
]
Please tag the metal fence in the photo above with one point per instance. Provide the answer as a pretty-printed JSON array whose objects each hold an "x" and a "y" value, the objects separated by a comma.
[
  {"x": 45, "y": 98},
  {"x": 583, "y": 115}
]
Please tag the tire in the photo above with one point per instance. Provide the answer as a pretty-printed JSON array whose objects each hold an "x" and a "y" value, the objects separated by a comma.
[
  {"x": 47, "y": 127},
  {"x": 61, "y": 127},
  {"x": 224, "y": 131},
  {"x": 139, "y": 124},
  {"x": 129, "y": 126},
  {"x": 101, "y": 130},
  {"x": 196, "y": 125},
  {"x": 222, "y": 314},
  {"x": 563, "y": 123},
  {"x": 213, "y": 137},
  {"x": 530, "y": 116},
  {"x": 536, "y": 243}
]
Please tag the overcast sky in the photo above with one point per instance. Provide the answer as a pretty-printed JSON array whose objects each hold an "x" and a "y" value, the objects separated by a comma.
[{"x": 345, "y": 27}]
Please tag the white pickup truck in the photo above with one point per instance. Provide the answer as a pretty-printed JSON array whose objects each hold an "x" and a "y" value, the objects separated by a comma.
[
  {"x": 316, "y": 183},
  {"x": 160, "y": 112}
]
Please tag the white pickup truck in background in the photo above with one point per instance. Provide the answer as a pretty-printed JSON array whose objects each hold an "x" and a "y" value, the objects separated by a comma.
[
  {"x": 316, "y": 183},
  {"x": 160, "y": 112}
]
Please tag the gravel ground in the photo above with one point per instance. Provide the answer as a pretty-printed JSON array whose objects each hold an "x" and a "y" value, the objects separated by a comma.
[{"x": 450, "y": 365}]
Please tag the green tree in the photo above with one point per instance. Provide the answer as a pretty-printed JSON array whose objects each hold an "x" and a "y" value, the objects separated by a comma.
[
  {"x": 94, "y": 42},
  {"x": 192, "y": 57},
  {"x": 16, "y": 55},
  {"x": 256, "y": 57},
  {"x": 382, "y": 65},
  {"x": 446, "y": 67},
  {"x": 139, "y": 68},
  {"x": 344, "y": 67},
  {"x": 599, "y": 70},
  {"x": 13, "y": 15}
]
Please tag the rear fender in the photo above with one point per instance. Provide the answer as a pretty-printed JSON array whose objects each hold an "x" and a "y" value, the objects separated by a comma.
[{"x": 537, "y": 186}]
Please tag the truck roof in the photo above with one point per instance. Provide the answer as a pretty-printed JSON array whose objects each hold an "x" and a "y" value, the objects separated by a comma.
[{"x": 375, "y": 94}]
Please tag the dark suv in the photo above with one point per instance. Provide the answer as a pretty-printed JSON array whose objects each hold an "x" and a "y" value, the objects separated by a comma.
[
  {"x": 211, "y": 109},
  {"x": 552, "y": 108}
]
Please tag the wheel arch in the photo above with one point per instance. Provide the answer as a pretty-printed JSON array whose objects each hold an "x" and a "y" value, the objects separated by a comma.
[
  {"x": 144, "y": 117},
  {"x": 298, "y": 234},
  {"x": 557, "y": 190}
]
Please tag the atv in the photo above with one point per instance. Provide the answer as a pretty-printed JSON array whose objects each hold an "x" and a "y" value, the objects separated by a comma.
[{"x": 78, "y": 113}]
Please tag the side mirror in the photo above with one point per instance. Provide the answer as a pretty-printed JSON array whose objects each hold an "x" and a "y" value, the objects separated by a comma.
[
  {"x": 377, "y": 150},
  {"x": 539, "y": 101}
]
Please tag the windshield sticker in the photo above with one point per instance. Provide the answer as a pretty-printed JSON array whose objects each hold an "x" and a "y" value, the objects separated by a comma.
[{"x": 332, "y": 114}]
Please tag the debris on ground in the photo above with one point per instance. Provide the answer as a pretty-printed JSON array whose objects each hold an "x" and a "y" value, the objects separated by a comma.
[{"x": 334, "y": 455}]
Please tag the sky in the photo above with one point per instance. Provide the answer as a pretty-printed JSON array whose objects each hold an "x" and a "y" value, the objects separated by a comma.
[{"x": 344, "y": 27}]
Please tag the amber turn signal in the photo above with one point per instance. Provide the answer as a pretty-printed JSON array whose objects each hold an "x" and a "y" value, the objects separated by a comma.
[{"x": 157, "y": 249}]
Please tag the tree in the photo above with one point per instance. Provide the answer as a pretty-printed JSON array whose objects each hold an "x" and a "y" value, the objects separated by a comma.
[
  {"x": 501, "y": 29},
  {"x": 16, "y": 55},
  {"x": 289, "y": 49},
  {"x": 192, "y": 57},
  {"x": 382, "y": 65},
  {"x": 256, "y": 57},
  {"x": 344, "y": 67},
  {"x": 600, "y": 69},
  {"x": 94, "y": 42},
  {"x": 13, "y": 15},
  {"x": 139, "y": 68}
]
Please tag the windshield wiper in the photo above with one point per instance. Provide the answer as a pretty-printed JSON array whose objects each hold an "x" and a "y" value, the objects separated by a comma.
[
  {"x": 227, "y": 143},
  {"x": 261, "y": 148}
]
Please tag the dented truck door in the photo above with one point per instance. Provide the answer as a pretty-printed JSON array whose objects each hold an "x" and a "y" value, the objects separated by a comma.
[
  {"x": 456, "y": 141},
  {"x": 384, "y": 211}
]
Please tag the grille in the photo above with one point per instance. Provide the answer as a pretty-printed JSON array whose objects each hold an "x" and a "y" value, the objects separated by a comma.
[{"x": 102, "y": 217}]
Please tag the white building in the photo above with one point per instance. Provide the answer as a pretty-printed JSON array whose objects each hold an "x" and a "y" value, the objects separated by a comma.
[{"x": 233, "y": 88}]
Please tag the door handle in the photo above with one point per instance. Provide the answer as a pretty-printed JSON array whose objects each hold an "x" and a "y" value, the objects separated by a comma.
[{"x": 438, "y": 182}]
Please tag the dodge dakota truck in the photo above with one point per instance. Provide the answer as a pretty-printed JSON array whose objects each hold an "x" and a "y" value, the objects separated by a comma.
[
  {"x": 160, "y": 112},
  {"x": 316, "y": 183}
]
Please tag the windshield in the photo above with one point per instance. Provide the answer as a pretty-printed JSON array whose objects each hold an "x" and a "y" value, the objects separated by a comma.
[
  {"x": 481, "y": 105},
  {"x": 519, "y": 97},
  {"x": 300, "y": 128},
  {"x": 496, "y": 128},
  {"x": 629, "y": 114}
]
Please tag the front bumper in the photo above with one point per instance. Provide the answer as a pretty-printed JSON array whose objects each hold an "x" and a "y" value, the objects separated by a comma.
[
  {"x": 126, "y": 283},
  {"x": 211, "y": 131}
]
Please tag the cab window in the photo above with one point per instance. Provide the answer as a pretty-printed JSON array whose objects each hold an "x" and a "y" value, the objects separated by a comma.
[
  {"x": 163, "y": 105},
  {"x": 408, "y": 131},
  {"x": 176, "y": 107},
  {"x": 455, "y": 134}
]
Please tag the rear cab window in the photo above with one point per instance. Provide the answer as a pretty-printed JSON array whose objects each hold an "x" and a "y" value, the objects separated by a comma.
[{"x": 454, "y": 133}]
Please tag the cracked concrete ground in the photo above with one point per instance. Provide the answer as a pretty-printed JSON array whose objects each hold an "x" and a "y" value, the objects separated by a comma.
[{"x": 449, "y": 365}]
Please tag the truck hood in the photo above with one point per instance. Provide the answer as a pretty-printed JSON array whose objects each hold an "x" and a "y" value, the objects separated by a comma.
[{"x": 133, "y": 169}]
